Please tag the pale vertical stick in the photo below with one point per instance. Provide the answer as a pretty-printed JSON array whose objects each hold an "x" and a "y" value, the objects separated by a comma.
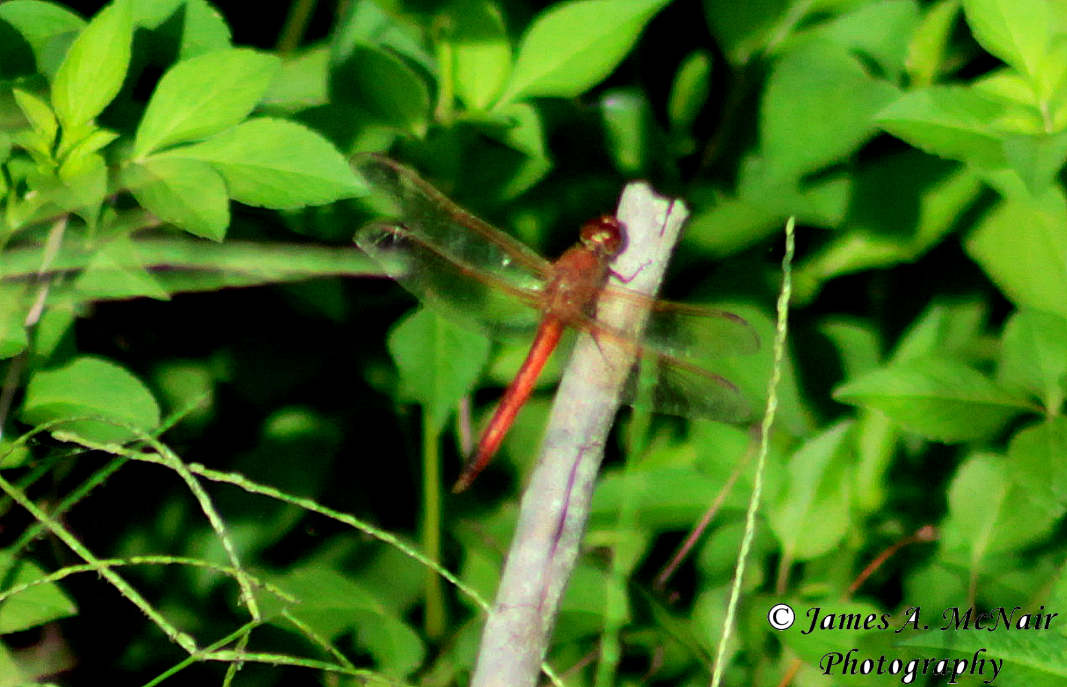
[{"x": 555, "y": 506}]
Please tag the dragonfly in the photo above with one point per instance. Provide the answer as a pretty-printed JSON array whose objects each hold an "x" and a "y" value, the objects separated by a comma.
[{"x": 470, "y": 271}]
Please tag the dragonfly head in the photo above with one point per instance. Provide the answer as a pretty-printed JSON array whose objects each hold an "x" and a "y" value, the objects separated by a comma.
[{"x": 604, "y": 235}]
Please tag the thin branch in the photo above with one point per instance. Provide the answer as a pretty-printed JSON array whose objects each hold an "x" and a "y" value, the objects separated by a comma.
[{"x": 555, "y": 506}]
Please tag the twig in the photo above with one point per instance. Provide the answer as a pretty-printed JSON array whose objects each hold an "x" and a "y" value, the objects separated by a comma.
[{"x": 555, "y": 506}]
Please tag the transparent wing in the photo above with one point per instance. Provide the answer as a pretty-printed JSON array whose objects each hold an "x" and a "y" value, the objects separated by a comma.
[
  {"x": 439, "y": 280},
  {"x": 685, "y": 331},
  {"x": 662, "y": 380},
  {"x": 455, "y": 262},
  {"x": 667, "y": 385},
  {"x": 435, "y": 221}
]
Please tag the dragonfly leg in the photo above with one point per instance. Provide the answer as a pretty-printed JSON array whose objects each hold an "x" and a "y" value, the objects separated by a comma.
[
  {"x": 627, "y": 279},
  {"x": 596, "y": 339}
]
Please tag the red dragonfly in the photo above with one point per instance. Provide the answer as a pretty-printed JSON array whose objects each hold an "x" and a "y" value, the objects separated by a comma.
[{"x": 455, "y": 262}]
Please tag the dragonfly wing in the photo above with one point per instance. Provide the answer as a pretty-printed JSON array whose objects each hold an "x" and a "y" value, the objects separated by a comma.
[
  {"x": 458, "y": 290},
  {"x": 436, "y": 221},
  {"x": 667, "y": 384},
  {"x": 688, "y": 331},
  {"x": 674, "y": 387}
]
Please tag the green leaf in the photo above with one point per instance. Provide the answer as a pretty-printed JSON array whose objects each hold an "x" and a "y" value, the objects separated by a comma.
[
  {"x": 151, "y": 13},
  {"x": 116, "y": 271},
  {"x": 187, "y": 387},
  {"x": 189, "y": 194},
  {"x": 670, "y": 497},
  {"x": 813, "y": 516},
  {"x": 818, "y": 108},
  {"x": 717, "y": 556},
  {"x": 692, "y": 85},
  {"x": 481, "y": 56},
  {"x": 971, "y": 521},
  {"x": 1012, "y": 88},
  {"x": 930, "y": 42},
  {"x": 85, "y": 177},
  {"x": 1016, "y": 31},
  {"x": 38, "y": 149},
  {"x": 79, "y": 187},
  {"x": 1023, "y": 248},
  {"x": 302, "y": 82},
  {"x": 71, "y": 136},
  {"x": 1035, "y": 463},
  {"x": 1051, "y": 87},
  {"x": 856, "y": 344},
  {"x": 745, "y": 31},
  {"x": 525, "y": 133},
  {"x": 275, "y": 163},
  {"x": 47, "y": 27},
  {"x": 1036, "y": 158},
  {"x": 946, "y": 330},
  {"x": 1005, "y": 518},
  {"x": 56, "y": 323},
  {"x": 40, "y": 117},
  {"x": 88, "y": 386},
  {"x": 438, "y": 361},
  {"x": 203, "y": 28},
  {"x": 1033, "y": 357},
  {"x": 896, "y": 20},
  {"x": 13, "y": 338},
  {"x": 760, "y": 209},
  {"x": 35, "y": 605},
  {"x": 1058, "y": 594},
  {"x": 98, "y": 139},
  {"x": 588, "y": 588},
  {"x": 876, "y": 445},
  {"x": 898, "y": 210},
  {"x": 1033, "y": 659},
  {"x": 572, "y": 46},
  {"x": 203, "y": 96},
  {"x": 371, "y": 23},
  {"x": 950, "y": 121},
  {"x": 14, "y": 454},
  {"x": 848, "y": 622},
  {"x": 94, "y": 68},
  {"x": 389, "y": 568},
  {"x": 384, "y": 87},
  {"x": 331, "y": 603},
  {"x": 938, "y": 399},
  {"x": 628, "y": 129}
]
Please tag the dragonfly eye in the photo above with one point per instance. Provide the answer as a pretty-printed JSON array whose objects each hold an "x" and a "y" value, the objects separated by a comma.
[{"x": 604, "y": 234}]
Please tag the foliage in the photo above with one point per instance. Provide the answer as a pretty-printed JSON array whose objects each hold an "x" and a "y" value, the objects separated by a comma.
[{"x": 147, "y": 164}]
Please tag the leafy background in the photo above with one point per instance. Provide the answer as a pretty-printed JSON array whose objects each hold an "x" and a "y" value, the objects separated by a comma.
[{"x": 193, "y": 469}]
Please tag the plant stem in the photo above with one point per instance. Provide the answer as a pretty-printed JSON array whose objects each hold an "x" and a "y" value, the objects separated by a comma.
[{"x": 431, "y": 525}]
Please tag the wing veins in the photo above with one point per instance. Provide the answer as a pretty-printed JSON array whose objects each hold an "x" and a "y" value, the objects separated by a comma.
[{"x": 406, "y": 188}]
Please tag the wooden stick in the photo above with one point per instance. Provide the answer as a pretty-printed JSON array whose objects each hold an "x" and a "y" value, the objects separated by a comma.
[{"x": 555, "y": 506}]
